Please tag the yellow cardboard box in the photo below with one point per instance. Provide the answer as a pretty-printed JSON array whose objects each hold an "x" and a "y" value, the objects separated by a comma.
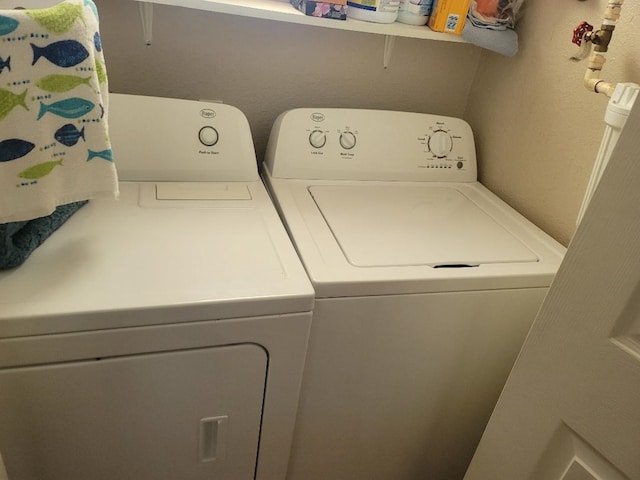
[{"x": 449, "y": 16}]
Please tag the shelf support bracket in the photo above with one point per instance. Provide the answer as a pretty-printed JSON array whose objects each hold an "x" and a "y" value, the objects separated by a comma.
[
  {"x": 389, "y": 42},
  {"x": 146, "y": 15}
]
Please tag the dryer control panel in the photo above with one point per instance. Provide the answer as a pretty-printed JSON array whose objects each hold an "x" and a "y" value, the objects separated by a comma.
[
  {"x": 353, "y": 144},
  {"x": 168, "y": 139}
]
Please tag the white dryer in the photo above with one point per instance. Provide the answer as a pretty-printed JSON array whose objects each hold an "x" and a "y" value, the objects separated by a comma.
[
  {"x": 426, "y": 285},
  {"x": 163, "y": 335}
]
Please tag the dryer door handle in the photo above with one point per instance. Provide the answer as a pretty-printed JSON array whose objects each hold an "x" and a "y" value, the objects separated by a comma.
[{"x": 213, "y": 438}]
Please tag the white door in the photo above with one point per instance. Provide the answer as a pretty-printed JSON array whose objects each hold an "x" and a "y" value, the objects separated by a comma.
[{"x": 571, "y": 407}]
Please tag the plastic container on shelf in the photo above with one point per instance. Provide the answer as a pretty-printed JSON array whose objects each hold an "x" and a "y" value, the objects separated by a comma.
[
  {"x": 414, "y": 12},
  {"x": 379, "y": 11}
]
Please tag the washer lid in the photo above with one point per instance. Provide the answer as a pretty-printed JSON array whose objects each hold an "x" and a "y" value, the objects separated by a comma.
[{"x": 390, "y": 225}]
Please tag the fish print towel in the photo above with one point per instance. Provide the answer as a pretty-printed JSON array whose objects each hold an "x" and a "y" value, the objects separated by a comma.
[{"x": 54, "y": 142}]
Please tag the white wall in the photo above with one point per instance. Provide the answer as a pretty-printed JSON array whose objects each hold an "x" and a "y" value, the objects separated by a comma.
[
  {"x": 537, "y": 128},
  {"x": 265, "y": 67}
]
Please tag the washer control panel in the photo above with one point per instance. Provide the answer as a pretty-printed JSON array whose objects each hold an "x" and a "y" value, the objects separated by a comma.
[{"x": 371, "y": 145}]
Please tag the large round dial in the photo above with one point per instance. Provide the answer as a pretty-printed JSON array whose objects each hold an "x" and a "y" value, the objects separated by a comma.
[
  {"x": 208, "y": 136},
  {"x": 317, "y": 139},
  {"x": 440, "y": 143},
  {"x": 347, "y": 140}
]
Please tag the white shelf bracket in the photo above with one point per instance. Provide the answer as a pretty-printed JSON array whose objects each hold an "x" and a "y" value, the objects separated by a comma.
[
  {"x": 389, "y": 42},
  {"x": 146, "y": 15}
]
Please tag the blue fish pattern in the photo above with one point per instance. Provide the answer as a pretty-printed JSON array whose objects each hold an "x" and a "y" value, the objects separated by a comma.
[
  {"x": 97, "y": 42},
  {"x": 43, "y": 65},
  {"x": 5, "y": 64},
  {"x": 14, "y": 148},
  {"x": 69, "y": 135},
  {"x": 7, "y": 25},
  {"x": 104, "y": 154},
  {"x": 65, "y": 53},
  {"x": 70, "y": 108}
]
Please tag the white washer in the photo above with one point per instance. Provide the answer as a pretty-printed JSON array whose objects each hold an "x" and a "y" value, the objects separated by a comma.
[
  {"x": 426, "y": 285},
  {"x": 161, "y": 336}
]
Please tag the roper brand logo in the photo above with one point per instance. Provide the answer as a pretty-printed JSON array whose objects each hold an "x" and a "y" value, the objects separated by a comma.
[
  {"x": 317, "y": 117},
  {"x": 207, "y": 113}
]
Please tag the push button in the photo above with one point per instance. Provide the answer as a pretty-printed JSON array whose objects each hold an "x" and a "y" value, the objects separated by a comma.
[{"x": 208, "y": 136}]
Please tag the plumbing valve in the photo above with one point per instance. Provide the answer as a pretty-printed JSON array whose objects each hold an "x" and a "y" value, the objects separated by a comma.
[{"x": 580, "y": 31}]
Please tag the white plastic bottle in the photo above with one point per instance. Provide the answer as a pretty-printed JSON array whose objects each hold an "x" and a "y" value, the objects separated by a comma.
[
  {"x": 414, "y": 12},
  {"x": 380, "y": 11}
]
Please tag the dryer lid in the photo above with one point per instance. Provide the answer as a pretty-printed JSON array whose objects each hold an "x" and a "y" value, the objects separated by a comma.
[
  {"x": 388, "y": 225},
  {"x": 142, "y": 261}
]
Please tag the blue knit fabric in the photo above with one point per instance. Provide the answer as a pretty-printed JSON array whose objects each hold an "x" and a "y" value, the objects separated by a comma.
[{"x": 18, "y": 240}]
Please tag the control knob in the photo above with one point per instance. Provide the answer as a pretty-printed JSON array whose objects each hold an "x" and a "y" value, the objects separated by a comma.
[
  {"x": 317, "y": 139},
  {"x": 440, "y": 143},
  {"x": 347, "y": 140}
]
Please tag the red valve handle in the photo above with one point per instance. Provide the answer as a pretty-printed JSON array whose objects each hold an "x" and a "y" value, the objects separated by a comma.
[{"x": 579, "y": 31}]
